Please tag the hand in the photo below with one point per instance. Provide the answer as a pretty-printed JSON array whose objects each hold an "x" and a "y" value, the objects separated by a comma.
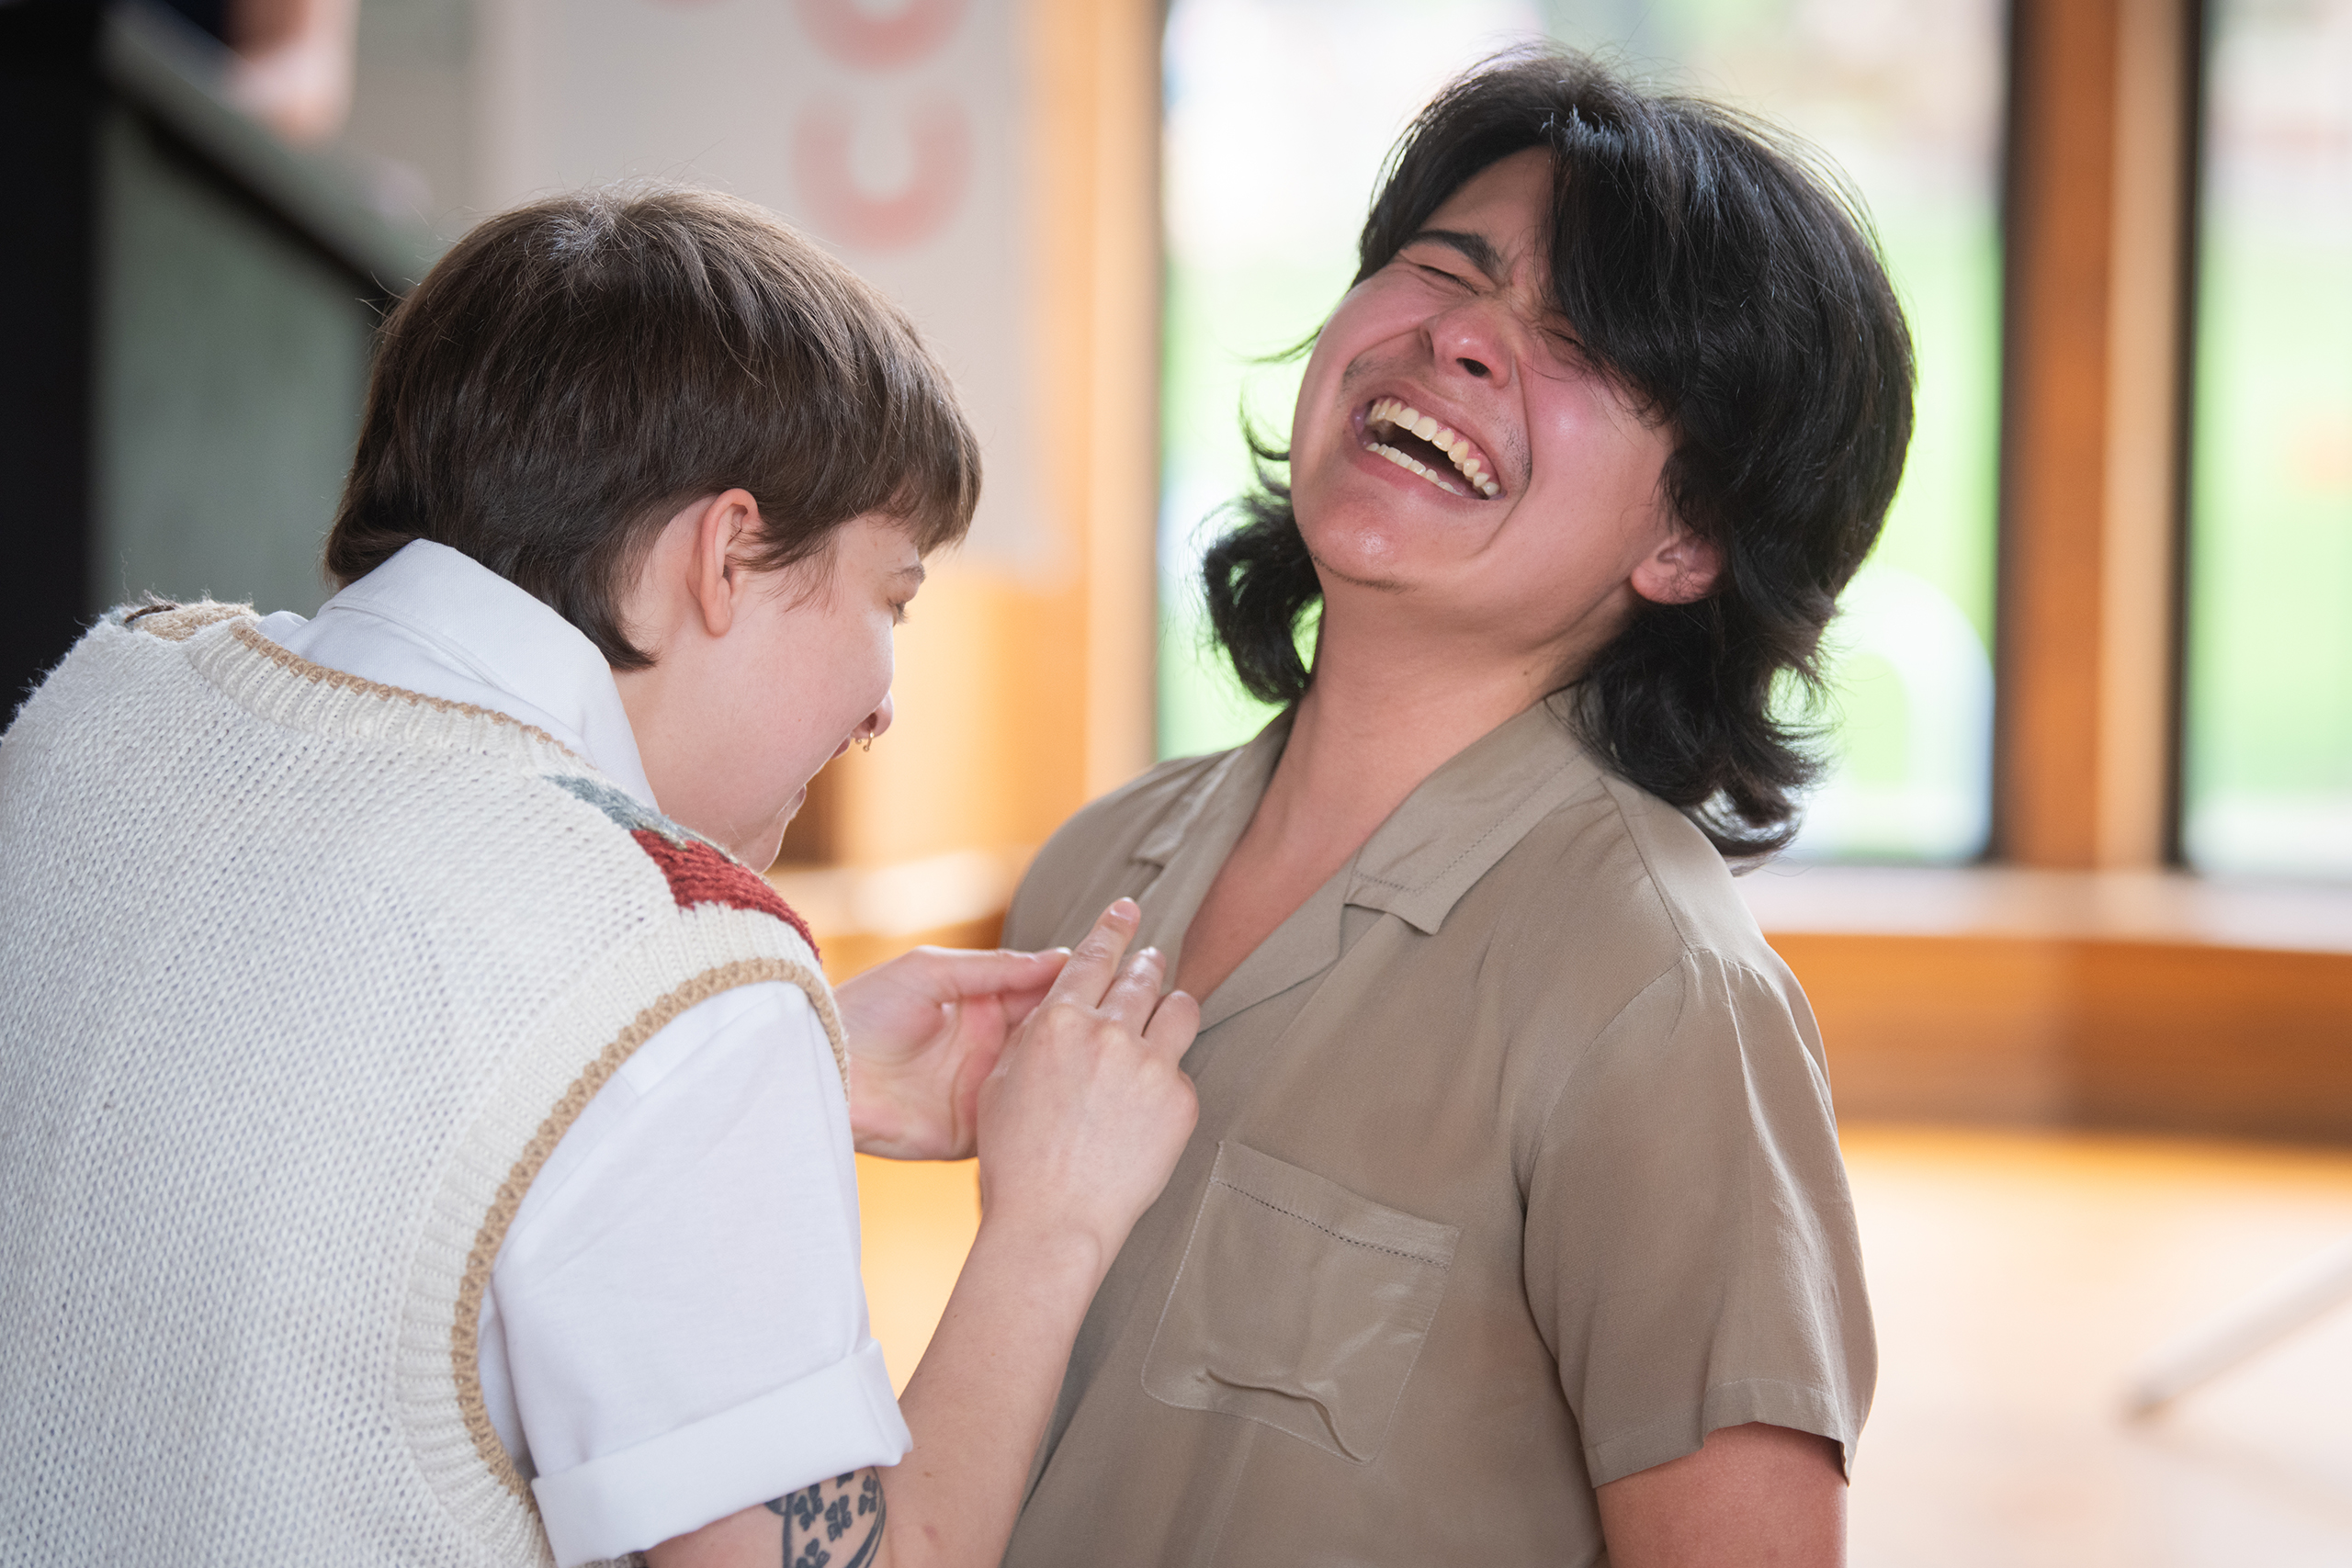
[
  {"x": 1086, "y": 1112},
  {"x": 924, "y": 1031}
]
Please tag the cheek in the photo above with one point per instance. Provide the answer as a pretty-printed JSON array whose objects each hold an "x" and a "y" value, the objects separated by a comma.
[
  {"x": 879, "y": 666},
  {"x": 1371, "y": 318},
  {"x": 860, "y": 678},
  {"x": 1601, "y": 454}
]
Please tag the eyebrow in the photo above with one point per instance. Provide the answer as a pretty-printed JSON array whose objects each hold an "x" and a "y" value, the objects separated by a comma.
[
  {"x": 1476, "y": 248},
  {"x": 915, "y": 572}
]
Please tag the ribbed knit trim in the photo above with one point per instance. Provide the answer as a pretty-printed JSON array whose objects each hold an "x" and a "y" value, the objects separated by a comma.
[
  {"x": 288, "y": 690},
  {"x": 321, "y": 674}
]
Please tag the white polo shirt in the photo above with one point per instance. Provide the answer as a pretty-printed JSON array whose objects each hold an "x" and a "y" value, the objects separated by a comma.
[{"x": 675, "y": 1328}]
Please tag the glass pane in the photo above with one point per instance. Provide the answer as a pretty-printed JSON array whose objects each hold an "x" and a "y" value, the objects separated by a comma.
[
  {"x": 1903, "y": 95},
  {"x": 2267, "y": 770}
]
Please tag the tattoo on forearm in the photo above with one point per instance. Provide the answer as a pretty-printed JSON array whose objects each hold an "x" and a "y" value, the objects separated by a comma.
[{"x": 839, "y": 1520}]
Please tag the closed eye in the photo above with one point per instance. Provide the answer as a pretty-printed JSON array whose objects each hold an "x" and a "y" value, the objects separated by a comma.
[{"x": 1475, "y": 249}]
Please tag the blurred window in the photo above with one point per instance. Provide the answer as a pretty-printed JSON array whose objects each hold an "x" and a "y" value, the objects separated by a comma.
[
  {"x": 2266, "y": 772},
  {"x": 1279, "y": 113}
]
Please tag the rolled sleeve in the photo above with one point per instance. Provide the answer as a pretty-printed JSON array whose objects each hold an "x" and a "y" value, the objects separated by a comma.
[{"x": 837, "y": 1419}]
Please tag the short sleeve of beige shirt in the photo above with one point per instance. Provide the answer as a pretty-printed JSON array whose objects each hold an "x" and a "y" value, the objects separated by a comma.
[{"x": 1515, "y": 1174}]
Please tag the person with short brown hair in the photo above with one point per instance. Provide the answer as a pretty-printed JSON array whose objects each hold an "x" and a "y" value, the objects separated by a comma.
[
  {"x": 424, "y": 1137},
  {"x": 576, "y": 370}
]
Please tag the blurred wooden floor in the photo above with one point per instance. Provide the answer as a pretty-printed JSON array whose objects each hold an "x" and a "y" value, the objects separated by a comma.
[{"x": 2018, "y": 1278}]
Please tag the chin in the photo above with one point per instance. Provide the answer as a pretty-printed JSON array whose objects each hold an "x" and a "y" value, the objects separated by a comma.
[
  {"x": 1369, "y": 539},
  {"x": 1370, "y": 555}
]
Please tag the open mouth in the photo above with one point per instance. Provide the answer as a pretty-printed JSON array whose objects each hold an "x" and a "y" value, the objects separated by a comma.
[{"x": 1415, "y": 442}]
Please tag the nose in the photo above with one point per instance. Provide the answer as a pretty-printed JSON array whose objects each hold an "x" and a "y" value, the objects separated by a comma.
[
  {"x": 1475, "y": 339},
  {"x": 874, "y": 723}
]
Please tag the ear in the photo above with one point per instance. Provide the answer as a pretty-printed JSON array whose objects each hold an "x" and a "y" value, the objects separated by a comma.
[
  {"x": 1680, "y": 572},
  {"x": 723, "y": 526}
]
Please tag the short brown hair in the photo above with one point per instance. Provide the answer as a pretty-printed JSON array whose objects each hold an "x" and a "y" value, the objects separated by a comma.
[{"x": 576, "y": 370}]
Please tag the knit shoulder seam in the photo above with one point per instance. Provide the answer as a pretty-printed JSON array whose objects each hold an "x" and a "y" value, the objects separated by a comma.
[{"x": 171, "y": 622}]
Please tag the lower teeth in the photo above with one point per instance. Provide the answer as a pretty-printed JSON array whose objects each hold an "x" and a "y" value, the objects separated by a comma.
[{"x": 1412, "y": 466}]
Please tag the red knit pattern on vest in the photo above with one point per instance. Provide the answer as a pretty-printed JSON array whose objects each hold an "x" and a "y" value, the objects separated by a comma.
[{"x": 700, "y": 875}]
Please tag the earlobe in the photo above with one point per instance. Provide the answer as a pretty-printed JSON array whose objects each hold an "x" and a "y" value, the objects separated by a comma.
[{"x": 1681, "y": 571}]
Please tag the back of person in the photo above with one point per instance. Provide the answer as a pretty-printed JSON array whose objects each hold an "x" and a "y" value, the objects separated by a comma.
[
  {"x": 301, "y": 971},
  {"x": 425, "y": 1136}
]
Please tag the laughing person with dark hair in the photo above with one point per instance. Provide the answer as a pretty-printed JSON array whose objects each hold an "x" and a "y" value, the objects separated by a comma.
[{"x": 1513, "y": 1229}]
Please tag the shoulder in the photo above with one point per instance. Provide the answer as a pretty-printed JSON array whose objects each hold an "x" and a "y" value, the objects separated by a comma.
[
  {"x": 1120, "y": 821},
  {"x": 173, "y": 622},
  {"x": 1088, "y": 852},
  {"x": 1617, "y": 905},
  {"x": 1646, "y": 1003}
]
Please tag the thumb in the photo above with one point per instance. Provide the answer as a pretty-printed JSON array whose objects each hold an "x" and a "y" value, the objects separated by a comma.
[
  {"x": 950, "y": 973},
  {"x": 1007, "y": 969}
]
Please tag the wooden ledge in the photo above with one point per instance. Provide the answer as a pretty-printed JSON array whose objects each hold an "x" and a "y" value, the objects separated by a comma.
[
  {"x": 2153, "y": 1001},
  {"x": 1983, "y": 901}
]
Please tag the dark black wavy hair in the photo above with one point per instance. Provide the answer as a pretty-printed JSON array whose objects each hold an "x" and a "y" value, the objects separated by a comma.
[{"x": 1731, "y": 286}]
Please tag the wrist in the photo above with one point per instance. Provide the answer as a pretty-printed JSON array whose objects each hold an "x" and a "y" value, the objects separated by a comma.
[
  {"x": 1059, "y": 1257},
  {"x": 873, "y": 1106}
]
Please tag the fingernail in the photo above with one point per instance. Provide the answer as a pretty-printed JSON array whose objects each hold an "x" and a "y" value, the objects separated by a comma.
[
  {"x": 1151, "y": 953},
  {"x": 1125, "y": 907}
]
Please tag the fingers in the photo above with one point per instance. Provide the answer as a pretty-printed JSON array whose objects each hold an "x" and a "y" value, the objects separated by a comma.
[
  {"x": 1173, "y": 1024},
  {"x": 958, "y": 974},
  {"x": 1093, "y": 964},
  {"x": 1136, "y": 990}
]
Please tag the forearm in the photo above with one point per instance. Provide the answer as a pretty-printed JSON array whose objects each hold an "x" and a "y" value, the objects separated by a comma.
[
  {"x": 1083, "y": 1121},
  {"x": 978, "y": 1404}
]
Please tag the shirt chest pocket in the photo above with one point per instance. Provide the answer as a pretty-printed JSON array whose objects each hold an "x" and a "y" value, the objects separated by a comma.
[{"x": 1299, "y": 1305}]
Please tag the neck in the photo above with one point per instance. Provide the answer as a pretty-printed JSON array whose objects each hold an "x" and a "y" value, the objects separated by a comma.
[{"x": 1384, "y": 712}]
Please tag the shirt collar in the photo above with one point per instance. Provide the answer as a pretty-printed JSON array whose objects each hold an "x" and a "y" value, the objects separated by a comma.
[
  {"x": 1222, "y": 805},
  {"x": 510, "y": 641},
  {"x": 1449, "y": 832},
  {"x": 1471, "y": 813}
]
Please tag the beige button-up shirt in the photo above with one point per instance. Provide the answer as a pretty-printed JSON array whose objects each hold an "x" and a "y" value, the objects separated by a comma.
[{"x": 1515, "y": 1174}]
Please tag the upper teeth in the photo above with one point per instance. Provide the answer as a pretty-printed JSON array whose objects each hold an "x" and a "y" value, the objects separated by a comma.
[{"x": 1397, "y": 414}]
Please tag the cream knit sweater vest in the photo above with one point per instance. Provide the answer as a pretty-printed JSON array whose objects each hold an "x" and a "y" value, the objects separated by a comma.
[{"x": 301, "y": 978}]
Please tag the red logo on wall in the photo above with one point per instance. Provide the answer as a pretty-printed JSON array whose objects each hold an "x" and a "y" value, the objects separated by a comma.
[
  {"x": 824, "y": 136},
  {"x": 916, "y": 210},
  {"x": 880, "y": 43}
]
